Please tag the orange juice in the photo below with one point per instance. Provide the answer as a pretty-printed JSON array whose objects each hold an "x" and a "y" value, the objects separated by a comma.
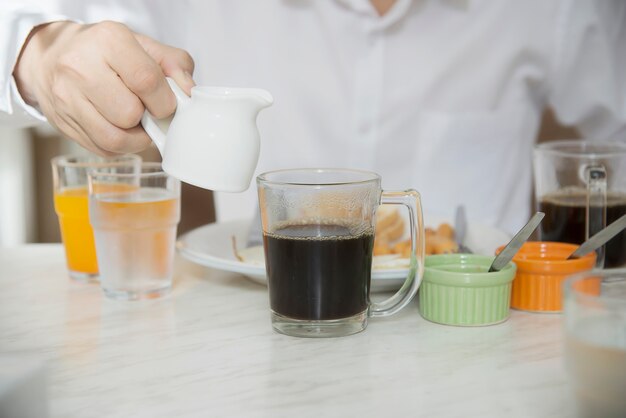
[{"x": 72, "y": 208}]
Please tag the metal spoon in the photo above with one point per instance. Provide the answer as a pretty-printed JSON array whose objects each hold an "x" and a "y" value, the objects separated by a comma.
[
  {"x": 516, "y": 243},
  {"x": 599, "y": 239}
]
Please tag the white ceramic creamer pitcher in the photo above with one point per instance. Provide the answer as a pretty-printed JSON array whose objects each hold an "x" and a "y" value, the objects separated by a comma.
[{"x": 212, "y": 141}]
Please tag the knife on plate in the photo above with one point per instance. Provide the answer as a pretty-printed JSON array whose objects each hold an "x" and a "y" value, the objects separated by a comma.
[{"x": 255, "y": 231}]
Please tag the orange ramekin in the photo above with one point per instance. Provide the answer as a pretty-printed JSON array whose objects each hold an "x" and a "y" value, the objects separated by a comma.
[{"x": 541, "y": 268}]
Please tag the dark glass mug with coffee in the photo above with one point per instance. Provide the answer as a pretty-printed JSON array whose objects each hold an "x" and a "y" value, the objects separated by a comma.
[
  {"x": 581, "y": 187},
  {"x": 318, "y": 233}
]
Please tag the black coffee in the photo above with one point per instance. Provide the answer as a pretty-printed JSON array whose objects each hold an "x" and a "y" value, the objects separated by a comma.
[
  {"x": 565, "y": 221},
  {"x": 319, "y": 272}
]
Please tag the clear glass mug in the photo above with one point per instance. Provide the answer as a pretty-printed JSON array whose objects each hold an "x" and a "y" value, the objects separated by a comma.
[
  {"x": 581, "y": 187},
  {"x": 595, "y": 341},
  {"x": 318, "y": 235}
]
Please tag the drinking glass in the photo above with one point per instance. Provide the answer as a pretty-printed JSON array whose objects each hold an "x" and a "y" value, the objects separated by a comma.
[
  {"x": 581, "y": 187},
  {"x": 69, "y": 174},
  {"x": 134, "y": 215},
  {"x": 595, "y": 341},
  {"x": 318, "y": 235}
]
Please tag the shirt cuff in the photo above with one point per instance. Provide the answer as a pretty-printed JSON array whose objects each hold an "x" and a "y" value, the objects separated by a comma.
[{"x": 15, "y": 27}]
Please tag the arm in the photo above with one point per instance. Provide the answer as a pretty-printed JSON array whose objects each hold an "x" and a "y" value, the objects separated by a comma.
[
  {"x": 16, "y": 22},
  {"x": 93, "y": 82}
]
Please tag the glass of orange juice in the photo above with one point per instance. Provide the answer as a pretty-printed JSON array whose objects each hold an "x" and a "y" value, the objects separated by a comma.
[
  {"x": 71, "y": 205},
  {"x": 134, "y": 218}
]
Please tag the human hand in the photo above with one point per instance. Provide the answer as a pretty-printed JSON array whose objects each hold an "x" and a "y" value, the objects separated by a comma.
[{"x": 93, "y": 82}]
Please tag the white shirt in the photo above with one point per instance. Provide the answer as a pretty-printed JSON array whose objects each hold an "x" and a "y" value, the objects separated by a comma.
[{"x": 444, "y": 96}]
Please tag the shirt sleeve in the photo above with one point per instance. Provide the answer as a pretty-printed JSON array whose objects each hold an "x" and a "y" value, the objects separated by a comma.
[
  {"x": 16, "y": 23},
  {"x": 588, "y": 83}
]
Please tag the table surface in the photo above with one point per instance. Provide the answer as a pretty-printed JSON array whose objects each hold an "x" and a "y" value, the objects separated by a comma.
[{"x": 208, "y": 348}]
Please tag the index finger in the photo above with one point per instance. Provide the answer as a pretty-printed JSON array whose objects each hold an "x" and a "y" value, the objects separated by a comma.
[{"x": 139, "y": 72}]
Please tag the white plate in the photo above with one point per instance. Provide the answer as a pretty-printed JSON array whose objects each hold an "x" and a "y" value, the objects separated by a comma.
[{"x": 211, "y": 246}]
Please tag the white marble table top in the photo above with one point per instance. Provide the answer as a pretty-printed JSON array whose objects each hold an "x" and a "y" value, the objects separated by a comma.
[{"x": 208, "y": 350}]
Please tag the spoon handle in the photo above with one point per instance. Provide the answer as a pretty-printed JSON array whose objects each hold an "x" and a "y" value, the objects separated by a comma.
[
  {"x": 516, "y": 243},
  {"x": 600, "y": 238}
]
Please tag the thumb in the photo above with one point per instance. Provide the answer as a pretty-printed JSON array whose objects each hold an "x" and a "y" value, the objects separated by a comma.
[{"x": 175, "y": 63}]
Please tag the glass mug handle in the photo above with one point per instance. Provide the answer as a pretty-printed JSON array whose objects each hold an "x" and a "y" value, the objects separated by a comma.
[
  {"x": 410, "y": 199},
  {"x": 595, "y": 220}
]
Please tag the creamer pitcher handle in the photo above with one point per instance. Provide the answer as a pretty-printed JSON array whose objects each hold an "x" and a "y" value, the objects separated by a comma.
[
  {"x": 410, "y": 199},
  {"x": 150, "y": 124}
]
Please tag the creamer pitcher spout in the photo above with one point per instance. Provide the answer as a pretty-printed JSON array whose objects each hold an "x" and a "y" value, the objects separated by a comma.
[{"x": 262, "y": 97}]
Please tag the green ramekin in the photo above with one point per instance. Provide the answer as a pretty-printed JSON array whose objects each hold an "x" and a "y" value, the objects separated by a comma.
[{"x": 458, "y": 290}]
